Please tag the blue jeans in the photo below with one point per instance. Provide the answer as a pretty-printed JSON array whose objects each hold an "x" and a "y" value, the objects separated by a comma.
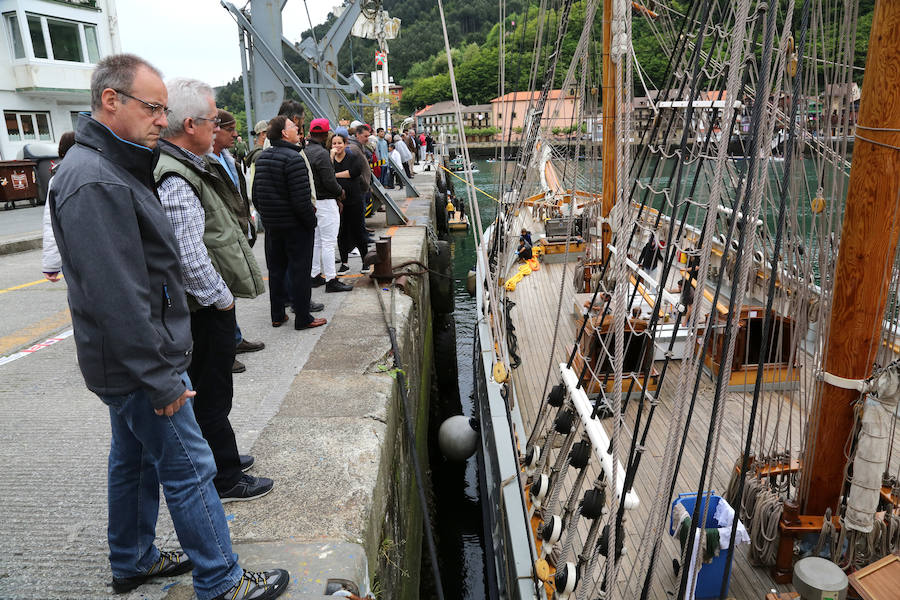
[
  {"x": 146, "y": 450},
  {"x": 238, "y": 337}
]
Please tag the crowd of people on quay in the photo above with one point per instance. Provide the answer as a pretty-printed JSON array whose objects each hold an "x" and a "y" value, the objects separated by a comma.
[{"x": 149, "y": 195}]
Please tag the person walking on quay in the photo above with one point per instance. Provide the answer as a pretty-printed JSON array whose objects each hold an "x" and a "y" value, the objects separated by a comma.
[
  {"x": 405, "y": 154},
  {"x": 360, "y": 140},
  {"x": 409, "y": 137},
  {"x": 397, "y": 159},
  {"x": 328, "y": 209},
  {"x": 224, "y": 166},
  {"x": 429, "y": 147},
  {"x": 282, "y": 189},
  {"x": 51, "y": 263},
  {"x": 347, "y": 170},
  {"x": 259, "y": 140},
  {"x": 412, "y": 142},
  {"x": 217, "y": 264},
  {"x": 381, "y": 155},
  {"x": 134, "y": 340}
]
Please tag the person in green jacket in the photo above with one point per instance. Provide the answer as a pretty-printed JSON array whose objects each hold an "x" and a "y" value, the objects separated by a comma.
[{"x": 217, "y": 264}]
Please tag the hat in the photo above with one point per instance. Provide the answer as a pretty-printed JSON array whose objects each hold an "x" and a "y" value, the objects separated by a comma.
[
  {"x": 342, "y": 131},
  {"x": 355, "y": 124},
  {"x": 260, "y": 127},
  {"x": 319, "y": 126}
]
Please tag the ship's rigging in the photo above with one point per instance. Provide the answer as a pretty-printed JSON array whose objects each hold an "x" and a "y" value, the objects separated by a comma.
[{"x": 741, "y": 169}]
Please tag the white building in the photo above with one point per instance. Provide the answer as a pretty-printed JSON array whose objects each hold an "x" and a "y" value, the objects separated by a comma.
[{"x": 48, "y": 49}]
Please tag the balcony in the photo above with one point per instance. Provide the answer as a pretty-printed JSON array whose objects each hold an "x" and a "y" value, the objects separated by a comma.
[{"x": 64, "y": 81}]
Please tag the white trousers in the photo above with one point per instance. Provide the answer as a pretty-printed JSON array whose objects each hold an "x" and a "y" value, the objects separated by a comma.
[{"x": 329, "y": 222}]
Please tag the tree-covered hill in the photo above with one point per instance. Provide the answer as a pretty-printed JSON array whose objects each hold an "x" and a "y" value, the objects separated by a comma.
[{"x": 417, "y": 58}]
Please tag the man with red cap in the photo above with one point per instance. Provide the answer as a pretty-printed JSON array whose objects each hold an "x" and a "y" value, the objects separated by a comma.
[{"x": 329, "y": 195}]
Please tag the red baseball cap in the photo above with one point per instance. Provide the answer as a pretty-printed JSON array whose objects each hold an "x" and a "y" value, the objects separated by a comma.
[{"x": 319, "y": 126}]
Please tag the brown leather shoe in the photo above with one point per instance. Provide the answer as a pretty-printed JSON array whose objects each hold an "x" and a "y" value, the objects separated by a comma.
[
  {"x": 314, "y": 323},
  {"x": 248, "y": 346}
]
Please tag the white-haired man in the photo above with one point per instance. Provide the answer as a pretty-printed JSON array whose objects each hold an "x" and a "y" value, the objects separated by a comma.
[
  {"x": 134, "y": 340},
  {"x": 217, "y": 264}
]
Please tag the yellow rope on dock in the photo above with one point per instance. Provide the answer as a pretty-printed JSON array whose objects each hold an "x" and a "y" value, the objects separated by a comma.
[{"x": 467, "y": 183}]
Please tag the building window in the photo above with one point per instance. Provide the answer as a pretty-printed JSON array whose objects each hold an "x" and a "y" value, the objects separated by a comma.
[
  {"x": 15, "y": 35},
  {"x": 93, "y": 48},
  {"x": 65, "y": 38},
  {"x": 25, "y": 126},
  {"x": 37, "y": 36},
  {"x": 55, "y": 39}
]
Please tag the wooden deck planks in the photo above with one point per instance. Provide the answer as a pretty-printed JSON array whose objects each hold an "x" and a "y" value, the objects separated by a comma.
[{"x": 537, "y": 297}]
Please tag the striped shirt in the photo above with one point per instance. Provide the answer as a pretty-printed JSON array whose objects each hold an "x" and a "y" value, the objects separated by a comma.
[{"x": 201, "y": 280}]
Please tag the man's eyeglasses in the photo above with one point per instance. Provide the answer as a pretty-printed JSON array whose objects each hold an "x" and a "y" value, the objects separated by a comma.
[
  {"x": 216, "y": 121},
  {"x": 156, "y": 110}
]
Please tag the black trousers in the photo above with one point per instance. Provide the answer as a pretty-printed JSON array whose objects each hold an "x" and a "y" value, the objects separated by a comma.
[
  {"x": 352, "y": 233},
  {"x": 289, "y": 255},
  {"x": 210, "y": 373}
]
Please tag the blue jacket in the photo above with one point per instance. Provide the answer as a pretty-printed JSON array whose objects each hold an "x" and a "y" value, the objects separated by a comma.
[{"x": 120, "y": 257}]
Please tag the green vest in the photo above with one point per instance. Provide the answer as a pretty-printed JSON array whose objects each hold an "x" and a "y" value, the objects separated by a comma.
[{"x": 226, "y": 244}]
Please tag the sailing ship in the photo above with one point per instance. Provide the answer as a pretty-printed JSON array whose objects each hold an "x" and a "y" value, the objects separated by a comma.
[{"x": 694, "y": 332}]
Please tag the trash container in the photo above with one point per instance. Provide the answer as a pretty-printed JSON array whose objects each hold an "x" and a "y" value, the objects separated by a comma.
[
  {"x": 44, "y": 156},
  {"x": 710, "y": 575},
  {"x": 17, "y": 182}
]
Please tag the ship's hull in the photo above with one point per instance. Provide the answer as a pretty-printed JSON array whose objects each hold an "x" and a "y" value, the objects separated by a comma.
[{"x": 507, "y": 534}]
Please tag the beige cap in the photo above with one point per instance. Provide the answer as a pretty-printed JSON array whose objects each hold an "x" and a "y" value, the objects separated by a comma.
[{"x": 260, "y": 127}]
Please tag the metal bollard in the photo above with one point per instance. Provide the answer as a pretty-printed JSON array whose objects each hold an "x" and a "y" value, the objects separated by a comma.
[{"x": 381, "y": 258}]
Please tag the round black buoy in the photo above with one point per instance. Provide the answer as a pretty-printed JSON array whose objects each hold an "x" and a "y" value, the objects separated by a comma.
[{"x": 458, "y": 437}]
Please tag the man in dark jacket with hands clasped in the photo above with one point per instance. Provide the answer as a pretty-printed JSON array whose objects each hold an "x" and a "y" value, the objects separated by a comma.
[
  {"x": 282, "y": 193},
  {"x": 133, "y": 337}
]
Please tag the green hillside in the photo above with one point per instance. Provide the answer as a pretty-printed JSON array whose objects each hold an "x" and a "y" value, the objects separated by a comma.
[{"x": 418, "y": 62}]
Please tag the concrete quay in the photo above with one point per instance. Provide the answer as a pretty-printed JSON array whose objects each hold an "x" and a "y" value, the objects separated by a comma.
[{"x": 319, "y": 409}]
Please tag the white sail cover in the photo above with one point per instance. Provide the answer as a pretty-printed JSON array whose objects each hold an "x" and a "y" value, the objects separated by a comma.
[{"x": 871, "y": 451}]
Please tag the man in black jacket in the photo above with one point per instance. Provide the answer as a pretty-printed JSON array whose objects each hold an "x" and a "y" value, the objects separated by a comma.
[
  {"x": 281, "y": 191},
  {"x": 328, "y": 209},
  {"x": 133, "y": 338}
]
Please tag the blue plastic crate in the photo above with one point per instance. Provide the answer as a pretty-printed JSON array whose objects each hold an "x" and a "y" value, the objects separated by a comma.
[{"x": 710, "y": 576}]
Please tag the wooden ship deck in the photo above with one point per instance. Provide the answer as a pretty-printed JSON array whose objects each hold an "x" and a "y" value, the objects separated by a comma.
[{"x": 535, "y": 319}]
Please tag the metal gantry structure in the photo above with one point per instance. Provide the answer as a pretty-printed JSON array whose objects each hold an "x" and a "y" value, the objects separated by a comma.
[{"x": 266, "y": 74}]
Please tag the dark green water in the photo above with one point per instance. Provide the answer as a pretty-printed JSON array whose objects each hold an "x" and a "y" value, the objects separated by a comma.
[{"x": 458, "y": 511}]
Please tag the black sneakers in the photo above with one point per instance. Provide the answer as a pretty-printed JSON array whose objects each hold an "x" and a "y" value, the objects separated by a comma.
[
  {"x": 317, "y": 281},
  {"x": 316, "y": 306},
  {"x": 343, "y": 268},
  {"x": 337, "y": 286},
  {"x": 246, "y": 462},
  {"x": 169, "y": 564},
  {"x": 247, "y": 488},
  {"x": 258, "y": 586}
]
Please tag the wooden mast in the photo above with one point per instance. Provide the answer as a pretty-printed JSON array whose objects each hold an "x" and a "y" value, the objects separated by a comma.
[
  {"x": 867, "y": 249},
  {"x": 608, "y": 198}
]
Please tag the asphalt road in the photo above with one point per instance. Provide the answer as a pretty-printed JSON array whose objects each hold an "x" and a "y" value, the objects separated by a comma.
[{"x": 55, "y": 433}]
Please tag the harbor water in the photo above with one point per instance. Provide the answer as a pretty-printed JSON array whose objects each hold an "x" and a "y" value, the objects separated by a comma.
[{"x": 457, "y": 509}]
